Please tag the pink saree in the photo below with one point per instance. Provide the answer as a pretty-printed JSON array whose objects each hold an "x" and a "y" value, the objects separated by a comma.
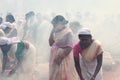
[{"x": 66, "y": 70}]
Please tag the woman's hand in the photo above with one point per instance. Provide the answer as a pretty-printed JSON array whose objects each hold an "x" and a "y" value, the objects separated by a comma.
[
  {"x": 59, "y": 56},
  {"x": 58, "y": 60},
  {"x": 92, "y": 78}
]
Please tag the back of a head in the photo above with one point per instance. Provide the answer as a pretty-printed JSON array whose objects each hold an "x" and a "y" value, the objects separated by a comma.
[
  {"x": 1, "y": 20},
  {"x": 59, "y": 19},
  {"x": 29, "y": 14},
  {"x": 10, "y": 18}
]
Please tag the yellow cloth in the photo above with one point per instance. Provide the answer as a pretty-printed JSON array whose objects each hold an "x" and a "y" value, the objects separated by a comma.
[{"x": 90, "y": 53}]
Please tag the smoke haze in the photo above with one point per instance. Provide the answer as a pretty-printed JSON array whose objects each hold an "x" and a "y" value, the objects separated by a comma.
[{"x": 101, "y": 16}]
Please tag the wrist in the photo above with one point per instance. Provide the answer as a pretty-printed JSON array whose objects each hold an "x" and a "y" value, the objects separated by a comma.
[
  {"x": 62, "y": 55},
  {"x": 81, "y": 78},
  {"x": 93, "y": 77}
]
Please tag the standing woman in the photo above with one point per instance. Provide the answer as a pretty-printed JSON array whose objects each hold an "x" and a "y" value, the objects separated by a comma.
[{"x": 61, "y": 65}]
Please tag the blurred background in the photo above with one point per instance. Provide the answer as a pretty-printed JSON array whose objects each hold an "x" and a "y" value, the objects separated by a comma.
[{"x": 101, "y": 16}]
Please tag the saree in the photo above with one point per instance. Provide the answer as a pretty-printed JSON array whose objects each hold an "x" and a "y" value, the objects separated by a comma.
[
  {"x": 66, "y": 70},
  {"x": 90, "y": 53},
  {"x": 88, "y": 61}
]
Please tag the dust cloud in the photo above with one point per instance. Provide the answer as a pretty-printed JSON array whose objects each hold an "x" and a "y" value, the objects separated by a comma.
[{"x": 101, "y": 18}]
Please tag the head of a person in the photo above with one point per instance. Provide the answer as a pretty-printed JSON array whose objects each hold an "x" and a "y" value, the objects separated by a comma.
[
  {"x": 85, "y": 37},
  {"x": 6, "y": 27},
  {"x": 10, "y": 18},
  {"x": 1, "y": 20},
  {"x": 59, "y": 21},
  {"x": 29, "y": 15}
]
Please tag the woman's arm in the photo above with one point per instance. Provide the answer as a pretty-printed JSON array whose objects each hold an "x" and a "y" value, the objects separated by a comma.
[
  {"x": 98, "y": 67},
  {"x": 66, "y": 51},
  {"x": 77, "y": 66},
  {"x": 13, "y": 33},
  {"x": 63, "y": 52},
  {"x": 51, "y": 41}
]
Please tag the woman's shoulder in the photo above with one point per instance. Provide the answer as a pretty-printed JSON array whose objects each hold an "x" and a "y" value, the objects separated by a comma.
[
  {"x": 77, "y": 44},
  {"x": 97, "y": 42}
]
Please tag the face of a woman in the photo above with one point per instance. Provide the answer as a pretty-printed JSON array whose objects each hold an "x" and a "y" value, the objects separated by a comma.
[
  {"x": 58, "y": 27},
  {"x": 85, "y": 41}
]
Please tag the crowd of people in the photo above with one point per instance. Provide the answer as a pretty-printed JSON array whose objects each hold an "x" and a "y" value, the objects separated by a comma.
[
  {"x": 74, "y": 54},
  {"x": 71, "y": 62}
]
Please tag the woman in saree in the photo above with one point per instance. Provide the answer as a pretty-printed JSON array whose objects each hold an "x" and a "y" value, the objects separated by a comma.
[
  {"x": 88, "y": 56},
  {"x": 61, "y": 64},
  {"x": 21, "y": 63},
  {"x": 9, "y": 27}
]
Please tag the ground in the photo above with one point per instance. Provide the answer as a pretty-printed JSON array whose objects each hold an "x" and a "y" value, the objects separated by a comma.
[{"x": 42, "y": 72}]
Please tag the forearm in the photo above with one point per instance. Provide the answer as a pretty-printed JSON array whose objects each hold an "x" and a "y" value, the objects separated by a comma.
[
  {"x": 12, "y": 33},
  {"x": 66, "y": 51},
  {"x": 77, "y": 66},
  {"x": 24, "y": 33},
  {"x": 78, "y": 69},
  {"x": 5, "y": 40},
  {"x": 51, "y": 41},
  {"x": 98, "y": 67}
]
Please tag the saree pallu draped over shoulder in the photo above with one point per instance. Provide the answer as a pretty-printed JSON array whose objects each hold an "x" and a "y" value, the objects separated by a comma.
[
  {"x": 88, "y": 61},
  {"x": 90, "y": 53},
  {"x": 66, "y": 70}
]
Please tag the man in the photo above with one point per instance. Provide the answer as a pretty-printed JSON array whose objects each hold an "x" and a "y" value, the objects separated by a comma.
[{"x": 88, "y": 56}]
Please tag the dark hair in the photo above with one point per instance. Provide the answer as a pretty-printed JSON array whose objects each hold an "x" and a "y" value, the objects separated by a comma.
[
  {"x": 1, "y": 20},
  {"x": 10, "y": 18},
  {"x": 59, "y": 18},
  {"x": 29, "y": 14}
]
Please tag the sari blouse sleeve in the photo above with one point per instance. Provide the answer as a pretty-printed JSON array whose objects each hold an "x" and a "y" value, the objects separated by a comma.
[{"x": 76, "y": 50}]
